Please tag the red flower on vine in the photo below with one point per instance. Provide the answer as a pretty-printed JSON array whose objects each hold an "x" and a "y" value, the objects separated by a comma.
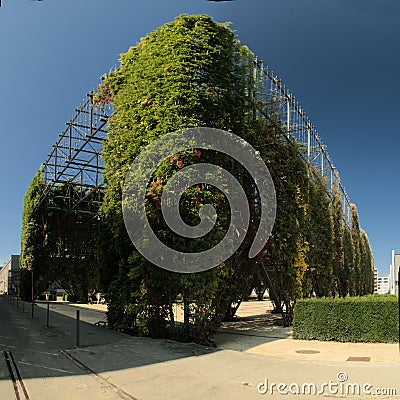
[
  {"x": 155, "y": 189},
  {"x": 197, "y": 153}
]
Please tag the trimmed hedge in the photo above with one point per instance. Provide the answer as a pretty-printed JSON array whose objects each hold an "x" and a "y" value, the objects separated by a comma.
[{"x": 370, "y": 318}]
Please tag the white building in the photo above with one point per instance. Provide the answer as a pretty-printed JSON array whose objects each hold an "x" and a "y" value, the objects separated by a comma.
[
  {"x": 394, "y": 273},
  {"x": 9, "y": 275},
  {"x": 375, "y": 281},
  {"x": 383, "y": 285}
]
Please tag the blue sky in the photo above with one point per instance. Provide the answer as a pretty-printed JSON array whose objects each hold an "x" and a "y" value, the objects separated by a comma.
[{"x": 340, "y": 59}]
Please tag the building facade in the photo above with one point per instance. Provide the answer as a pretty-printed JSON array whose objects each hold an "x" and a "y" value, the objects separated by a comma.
[
  {"x": 375, "y": 281},
  {"x": 383, "y": 285},
  {"x": 394, "y": 273},
  {"x": 10, "y": 276}
]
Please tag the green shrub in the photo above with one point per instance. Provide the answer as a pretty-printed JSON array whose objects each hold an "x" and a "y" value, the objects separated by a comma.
[{"x": 370, "y": 318}]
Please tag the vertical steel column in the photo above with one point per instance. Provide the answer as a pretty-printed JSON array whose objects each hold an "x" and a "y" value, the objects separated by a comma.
[
  {"x": 77, "y": 328},
  {"x": 255, "y": 87},
  {"x": 47, "y": 314},
  {"x": 322, "y": 164},
  {"x": 33, "y": 291}
]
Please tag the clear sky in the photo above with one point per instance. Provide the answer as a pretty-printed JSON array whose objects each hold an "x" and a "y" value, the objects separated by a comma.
[{"x": 340, "y": 59}]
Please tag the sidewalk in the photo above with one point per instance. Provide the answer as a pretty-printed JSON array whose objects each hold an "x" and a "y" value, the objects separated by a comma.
[
  {"x": 264, "y": 354},
  {"x": 113, "y": 366},
  {"x": 93, "y": 306},
  {"x": 255, "y": 333},
  {"x": 163, "y": 370}
]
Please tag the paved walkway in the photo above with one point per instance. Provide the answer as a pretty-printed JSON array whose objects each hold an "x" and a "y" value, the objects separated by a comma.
[
  {"x": 114, "y": 366},
  {"x": 252, "y": 355},
  {"x": 257, "y": 333},
  {"x": 164, "y": 370}
]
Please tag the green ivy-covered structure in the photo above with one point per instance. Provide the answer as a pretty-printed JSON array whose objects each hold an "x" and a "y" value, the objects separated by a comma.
[{"x": 194, "y": 72}]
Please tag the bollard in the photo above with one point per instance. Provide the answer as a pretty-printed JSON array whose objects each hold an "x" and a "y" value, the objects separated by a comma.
[
  {"x": 23, "y": 306},
  {"x": 17, "y": 303},
  {"x": 48, "y": 315},
  {"x": 77, "y": 328}
]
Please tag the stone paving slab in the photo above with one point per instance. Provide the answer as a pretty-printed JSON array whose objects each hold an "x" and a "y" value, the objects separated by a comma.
[
  {"x": 159, "y": 369},
  {"x": 259, "y": 333},
  {"x": 124, "y": 367}
]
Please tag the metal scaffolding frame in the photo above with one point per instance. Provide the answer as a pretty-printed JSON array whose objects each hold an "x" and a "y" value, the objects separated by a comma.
[
  {"x": 74, "y": 164},
  {"x": 276, "y": 103},
  {"x": 75, "y": 160}
]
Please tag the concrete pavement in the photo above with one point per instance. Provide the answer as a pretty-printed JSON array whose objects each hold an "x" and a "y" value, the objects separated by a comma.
[
  {"x": 258, "y": 333},
  {"x": 157, "y": 369},
  {"x": 115, "y": 366}
]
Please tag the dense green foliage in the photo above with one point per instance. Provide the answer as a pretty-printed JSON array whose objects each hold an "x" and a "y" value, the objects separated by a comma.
[
  {"x": 353, "y": 319},
  {"x": 194, "y": 72},
  {"x": 58, "y": 244},
  {"x": 30, "y": 237},
  {"x": 285, "y": 256}
]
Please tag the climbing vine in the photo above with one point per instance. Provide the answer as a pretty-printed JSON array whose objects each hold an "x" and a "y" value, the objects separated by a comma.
[
  {"x": 58, "y": 244},
  {"x": 194, "y": 72}
]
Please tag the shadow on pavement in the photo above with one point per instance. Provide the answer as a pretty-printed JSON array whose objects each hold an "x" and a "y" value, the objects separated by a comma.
[
  {"x": 251, "y": 331},
  {"x": 38, "y": 349}
]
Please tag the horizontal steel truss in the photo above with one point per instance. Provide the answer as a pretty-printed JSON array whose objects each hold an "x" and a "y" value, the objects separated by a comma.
[
  {"x": 75, "y": 161},
  {"x": 277, "y": 104},
  {"x": 75, "y": 158}
]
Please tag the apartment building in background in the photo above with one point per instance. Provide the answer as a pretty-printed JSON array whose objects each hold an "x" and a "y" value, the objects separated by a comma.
[
  {"x": 394, "y": 273},
  {"x": 383, "y": 285},
  {"x": 10, "y": 276},
  {"x": 375, "y": 281}
]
